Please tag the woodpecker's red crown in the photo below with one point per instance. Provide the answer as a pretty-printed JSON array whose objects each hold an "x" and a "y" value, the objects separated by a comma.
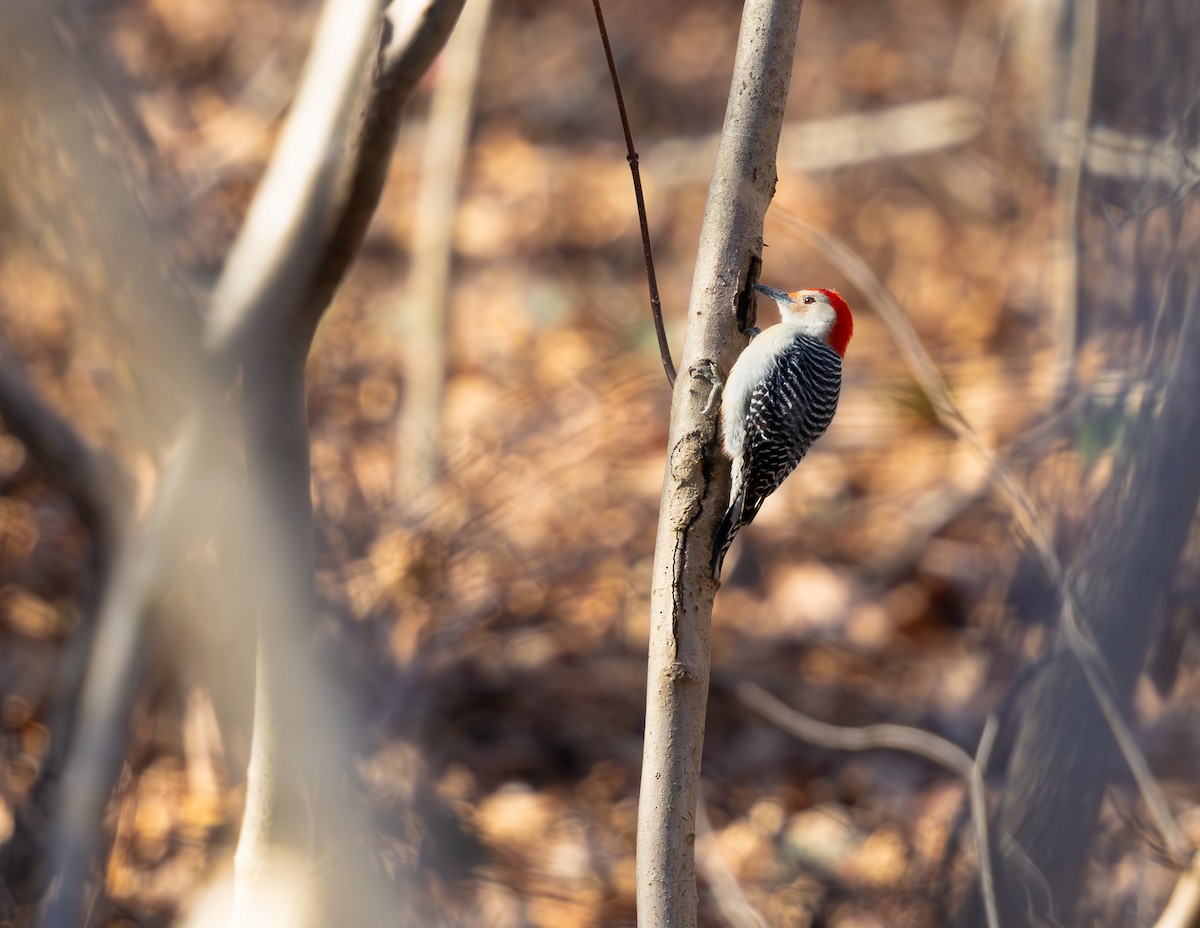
[{"x": 839, "y": 335}]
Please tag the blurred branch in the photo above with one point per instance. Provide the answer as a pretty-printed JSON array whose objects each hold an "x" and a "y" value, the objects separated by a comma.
[
  {"x": 261, "y": 297},
  {"x": 1074, "y": 634},
  {"x": 338, "y": 198},
  {"x": 664, "y": 349},
  {"x": 1112, "y": 153},
  {"x": 1183, "y": 908},
  {"x": 446, "y": 133},
  {"x": 896, "y": 738},
  {"x": 255, "y": 306},
  {"x": 414, "y": 32},
  {"x": 696, "y": 482},
  {"x": 110, "y": 686},
  {"x": 289, "y": 220},
  {"x": 72, "y": 155},
  {"x": 102, "y": 494},
  {"x": 95, "y": 483},
  {"x": 732, "y": 903},
  {"x": 1065, "y": 253},
  {"x": 826, "y": 144}
]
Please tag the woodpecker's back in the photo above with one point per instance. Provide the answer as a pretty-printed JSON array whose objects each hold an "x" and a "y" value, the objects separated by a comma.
[{"x": 780, "y": 397}]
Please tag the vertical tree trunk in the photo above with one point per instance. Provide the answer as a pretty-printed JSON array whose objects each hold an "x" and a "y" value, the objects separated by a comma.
[{"x": 696, "y": 482}]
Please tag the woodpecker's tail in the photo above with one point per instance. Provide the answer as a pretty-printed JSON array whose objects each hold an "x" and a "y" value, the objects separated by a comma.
[
  {"x": 726, "y": 532},
  {"x": 741, "y": 512}
]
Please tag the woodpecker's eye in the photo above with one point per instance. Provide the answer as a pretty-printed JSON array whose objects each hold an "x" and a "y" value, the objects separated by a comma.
[{"x": 810, "y": 299}]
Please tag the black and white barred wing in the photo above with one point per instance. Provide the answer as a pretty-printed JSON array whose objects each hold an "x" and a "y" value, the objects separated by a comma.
[{"x": 788, "y": 411}]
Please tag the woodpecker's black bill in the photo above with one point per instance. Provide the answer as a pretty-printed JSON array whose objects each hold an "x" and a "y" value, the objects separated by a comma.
[{"x": 774, "y": 294}]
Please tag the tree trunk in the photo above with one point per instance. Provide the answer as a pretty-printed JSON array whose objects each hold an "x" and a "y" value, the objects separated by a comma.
[{"x": 696, "y": 482}]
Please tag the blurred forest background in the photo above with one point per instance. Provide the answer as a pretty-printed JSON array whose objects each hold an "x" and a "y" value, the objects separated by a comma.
[{"x": 488, "y": 618}]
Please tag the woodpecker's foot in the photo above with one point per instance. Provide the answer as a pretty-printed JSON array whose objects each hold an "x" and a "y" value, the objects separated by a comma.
[
  {"x": 707, "y": 370},
  {"x": 751, "y": 333}
]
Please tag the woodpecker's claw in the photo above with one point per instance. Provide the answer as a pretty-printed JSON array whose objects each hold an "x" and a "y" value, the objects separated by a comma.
[
  {"x": 707, "y": 370},
  {"x": 752, "y": 332}
]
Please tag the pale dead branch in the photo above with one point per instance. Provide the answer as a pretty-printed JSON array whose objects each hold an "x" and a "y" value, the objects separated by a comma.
[
  {"x": 426, "y": 309},
  {"x": 735, "y": 908},
  {"x": 825, "y": 144}
]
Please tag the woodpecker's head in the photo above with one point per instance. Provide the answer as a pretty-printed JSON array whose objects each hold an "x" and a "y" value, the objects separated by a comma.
[{"x": 821, "y": 314}]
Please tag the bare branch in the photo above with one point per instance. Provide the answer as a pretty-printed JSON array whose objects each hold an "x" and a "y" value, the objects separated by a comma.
[
  {"x": 425, "y": 358},
  {"x": 264, "y": 303},
  {"x": 837, "y": 141},
  {"x": 289, "y": 221},
  {"x": 109, "y": 688},
  {"x": 414, "y": 32}
]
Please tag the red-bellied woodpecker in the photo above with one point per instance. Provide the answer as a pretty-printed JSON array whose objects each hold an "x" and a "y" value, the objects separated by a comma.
[{"x": 779, "y": 398}]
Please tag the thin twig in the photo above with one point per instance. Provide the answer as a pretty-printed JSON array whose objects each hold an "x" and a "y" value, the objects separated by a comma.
[
  {"x": 979, "y": 817},
  {"x": 631, "y": 156},
  {"x": 1029, "y": 521}
]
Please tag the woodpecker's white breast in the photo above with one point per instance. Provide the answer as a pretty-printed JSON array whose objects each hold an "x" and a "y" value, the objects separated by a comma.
[{"x": 750, "y": 369}]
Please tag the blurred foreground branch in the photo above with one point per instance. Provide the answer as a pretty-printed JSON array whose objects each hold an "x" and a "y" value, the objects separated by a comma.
[
  {"x": 696, "y": 481},
  {"x": 299, "y": 239},
  {"x": 95, "y": 483},
  {"x": 1064, "y": 270}
]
